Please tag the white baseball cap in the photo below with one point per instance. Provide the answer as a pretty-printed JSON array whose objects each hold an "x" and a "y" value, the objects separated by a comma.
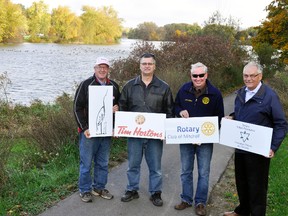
[{"x": 102, "y": 60}]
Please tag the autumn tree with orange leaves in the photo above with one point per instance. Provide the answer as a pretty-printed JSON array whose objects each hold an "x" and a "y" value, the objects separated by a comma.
[{"x": 274, "y": 30}]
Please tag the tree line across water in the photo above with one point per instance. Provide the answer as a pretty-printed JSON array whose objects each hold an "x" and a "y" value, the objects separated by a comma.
[
  {"x": 103, "y": 26},
  {"x": 36, "y": 24}
]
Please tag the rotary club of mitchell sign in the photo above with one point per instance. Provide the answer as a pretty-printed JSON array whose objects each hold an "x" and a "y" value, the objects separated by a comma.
[{"x": 193, "y": 130}]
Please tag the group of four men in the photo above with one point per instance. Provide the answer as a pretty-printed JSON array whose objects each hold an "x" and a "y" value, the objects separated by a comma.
[{"x": 255, "y": 103}]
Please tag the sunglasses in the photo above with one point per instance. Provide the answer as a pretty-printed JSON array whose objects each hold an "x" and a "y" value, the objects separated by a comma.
[{"x": 198, "y": 75}]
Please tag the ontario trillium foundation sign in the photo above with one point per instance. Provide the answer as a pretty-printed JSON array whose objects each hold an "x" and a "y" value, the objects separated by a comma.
[
  {"x": 246, "y": 136},
  {"x": 193, "y": 130},
  {"x": 140, "y": 125}
]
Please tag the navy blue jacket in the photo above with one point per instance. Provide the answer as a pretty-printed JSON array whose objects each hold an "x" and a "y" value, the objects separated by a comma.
[
  {"x": 264, "y": 109},
  {"x": 208, "y": 104}
]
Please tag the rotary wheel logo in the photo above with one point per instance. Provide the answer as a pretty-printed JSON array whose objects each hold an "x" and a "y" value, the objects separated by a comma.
[
  {"x": 205, "y": 100},
  {"x": 139, "y": 119},
  {"x": 208, "y": 128}
]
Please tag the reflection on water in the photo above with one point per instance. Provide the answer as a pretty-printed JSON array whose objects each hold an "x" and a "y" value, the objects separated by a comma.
[{"x": 44, "y": 71}]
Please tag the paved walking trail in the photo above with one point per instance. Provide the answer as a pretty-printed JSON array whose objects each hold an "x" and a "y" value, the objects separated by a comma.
[{"x": 117, "y": 180}]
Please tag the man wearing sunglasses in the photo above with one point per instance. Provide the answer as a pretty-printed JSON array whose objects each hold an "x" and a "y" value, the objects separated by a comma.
[
  {"x": 145, "y": 93},
  {"x": 197, "y": 98}
]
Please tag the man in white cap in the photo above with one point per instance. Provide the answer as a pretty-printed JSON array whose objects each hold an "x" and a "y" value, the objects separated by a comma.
[{"x": 95, "y": 149}]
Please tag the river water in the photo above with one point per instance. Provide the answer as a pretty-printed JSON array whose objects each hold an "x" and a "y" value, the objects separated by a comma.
[{"x": 45, "y": 71}]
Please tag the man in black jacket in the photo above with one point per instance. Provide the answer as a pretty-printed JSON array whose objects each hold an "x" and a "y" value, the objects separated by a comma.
[
  {"x": 93, "y": 148},
  {"x": 145, "y": 93}
]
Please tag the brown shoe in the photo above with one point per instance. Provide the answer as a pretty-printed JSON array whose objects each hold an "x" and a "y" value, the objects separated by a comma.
[
  {"x": 232, "y": 213},
  {"x": 200, "y": 209},
  {"x": 182, "y": 205}
]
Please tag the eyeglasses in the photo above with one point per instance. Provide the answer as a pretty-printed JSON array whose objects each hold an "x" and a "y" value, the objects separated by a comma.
[
  {"x": 147, "y": 63},
  {"x": 252, "y": 76},
  {"x": 198, "y": 75}
]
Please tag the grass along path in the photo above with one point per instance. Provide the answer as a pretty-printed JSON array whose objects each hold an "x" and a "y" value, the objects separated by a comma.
[{"x": 224, "y": 197}]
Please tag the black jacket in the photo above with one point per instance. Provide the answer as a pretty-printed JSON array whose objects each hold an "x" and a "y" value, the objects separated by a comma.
[
  {"x": 155, "y": 98},
  {"x": 81, "y": 100}
]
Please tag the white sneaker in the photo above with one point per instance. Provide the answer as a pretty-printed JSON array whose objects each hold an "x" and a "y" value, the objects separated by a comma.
[{"x": 105, "y": 194}]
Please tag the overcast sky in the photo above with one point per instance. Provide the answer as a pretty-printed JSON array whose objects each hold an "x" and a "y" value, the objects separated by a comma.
[{"x": 249, "y": 12}]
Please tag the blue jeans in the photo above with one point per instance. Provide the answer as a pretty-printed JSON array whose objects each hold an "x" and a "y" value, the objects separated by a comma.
[
  {"x": 95, "y": 149},
  {"x": 204, "y": 155},
  {"x": 152, "y": 149}
]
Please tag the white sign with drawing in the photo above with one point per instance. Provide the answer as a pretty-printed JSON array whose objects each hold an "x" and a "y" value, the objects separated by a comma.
[
  {"x": 245, "y": 136},
  {"x": 100, "y": 111}
]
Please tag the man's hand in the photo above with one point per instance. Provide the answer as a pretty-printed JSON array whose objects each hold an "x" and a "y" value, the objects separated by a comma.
[
  {"x": 115, "y": 108},
  {"x": 87, "y": 133},
  {"x": 271, "y": 153},
  {"x": 228, "y": 117},
  {"x": 184, "y": 114}
]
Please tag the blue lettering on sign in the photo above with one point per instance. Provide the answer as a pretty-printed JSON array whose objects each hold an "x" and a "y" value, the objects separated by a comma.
[{"x": 188, "y": 129}]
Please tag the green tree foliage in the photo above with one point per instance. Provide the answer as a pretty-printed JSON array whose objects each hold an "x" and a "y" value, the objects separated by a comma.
[
  {"x": 264, "y": 52},
  {"x": 223, "y": 27},
  {"x": 65, "y": 25},
  {"x": 146, "y": 31},
  {"x": 244, "y": 36},
  {"x": 39, "y": 21},
  {"x": 216, "y": 25},
  {"x": 100, "y": 25},
  {"x": 3, "y": 22},
  {"x": 274, "y": 30},
  {"x": 12, "y": 22},
  {"x": 171, "y": 32},
  {"x": 218, "y": 19},
  {"x": 178, "y": 30},
  {"x": 112, "y": 24},
  {"x": 227, "y": 32},
  {"x": 252, "y": 32},
  {"x": 94, "y": 26}
]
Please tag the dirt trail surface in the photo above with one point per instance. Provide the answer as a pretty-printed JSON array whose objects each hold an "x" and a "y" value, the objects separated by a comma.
[
  {"x": 223, "y": 196},
  {"x": 73, "y": 206}
]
